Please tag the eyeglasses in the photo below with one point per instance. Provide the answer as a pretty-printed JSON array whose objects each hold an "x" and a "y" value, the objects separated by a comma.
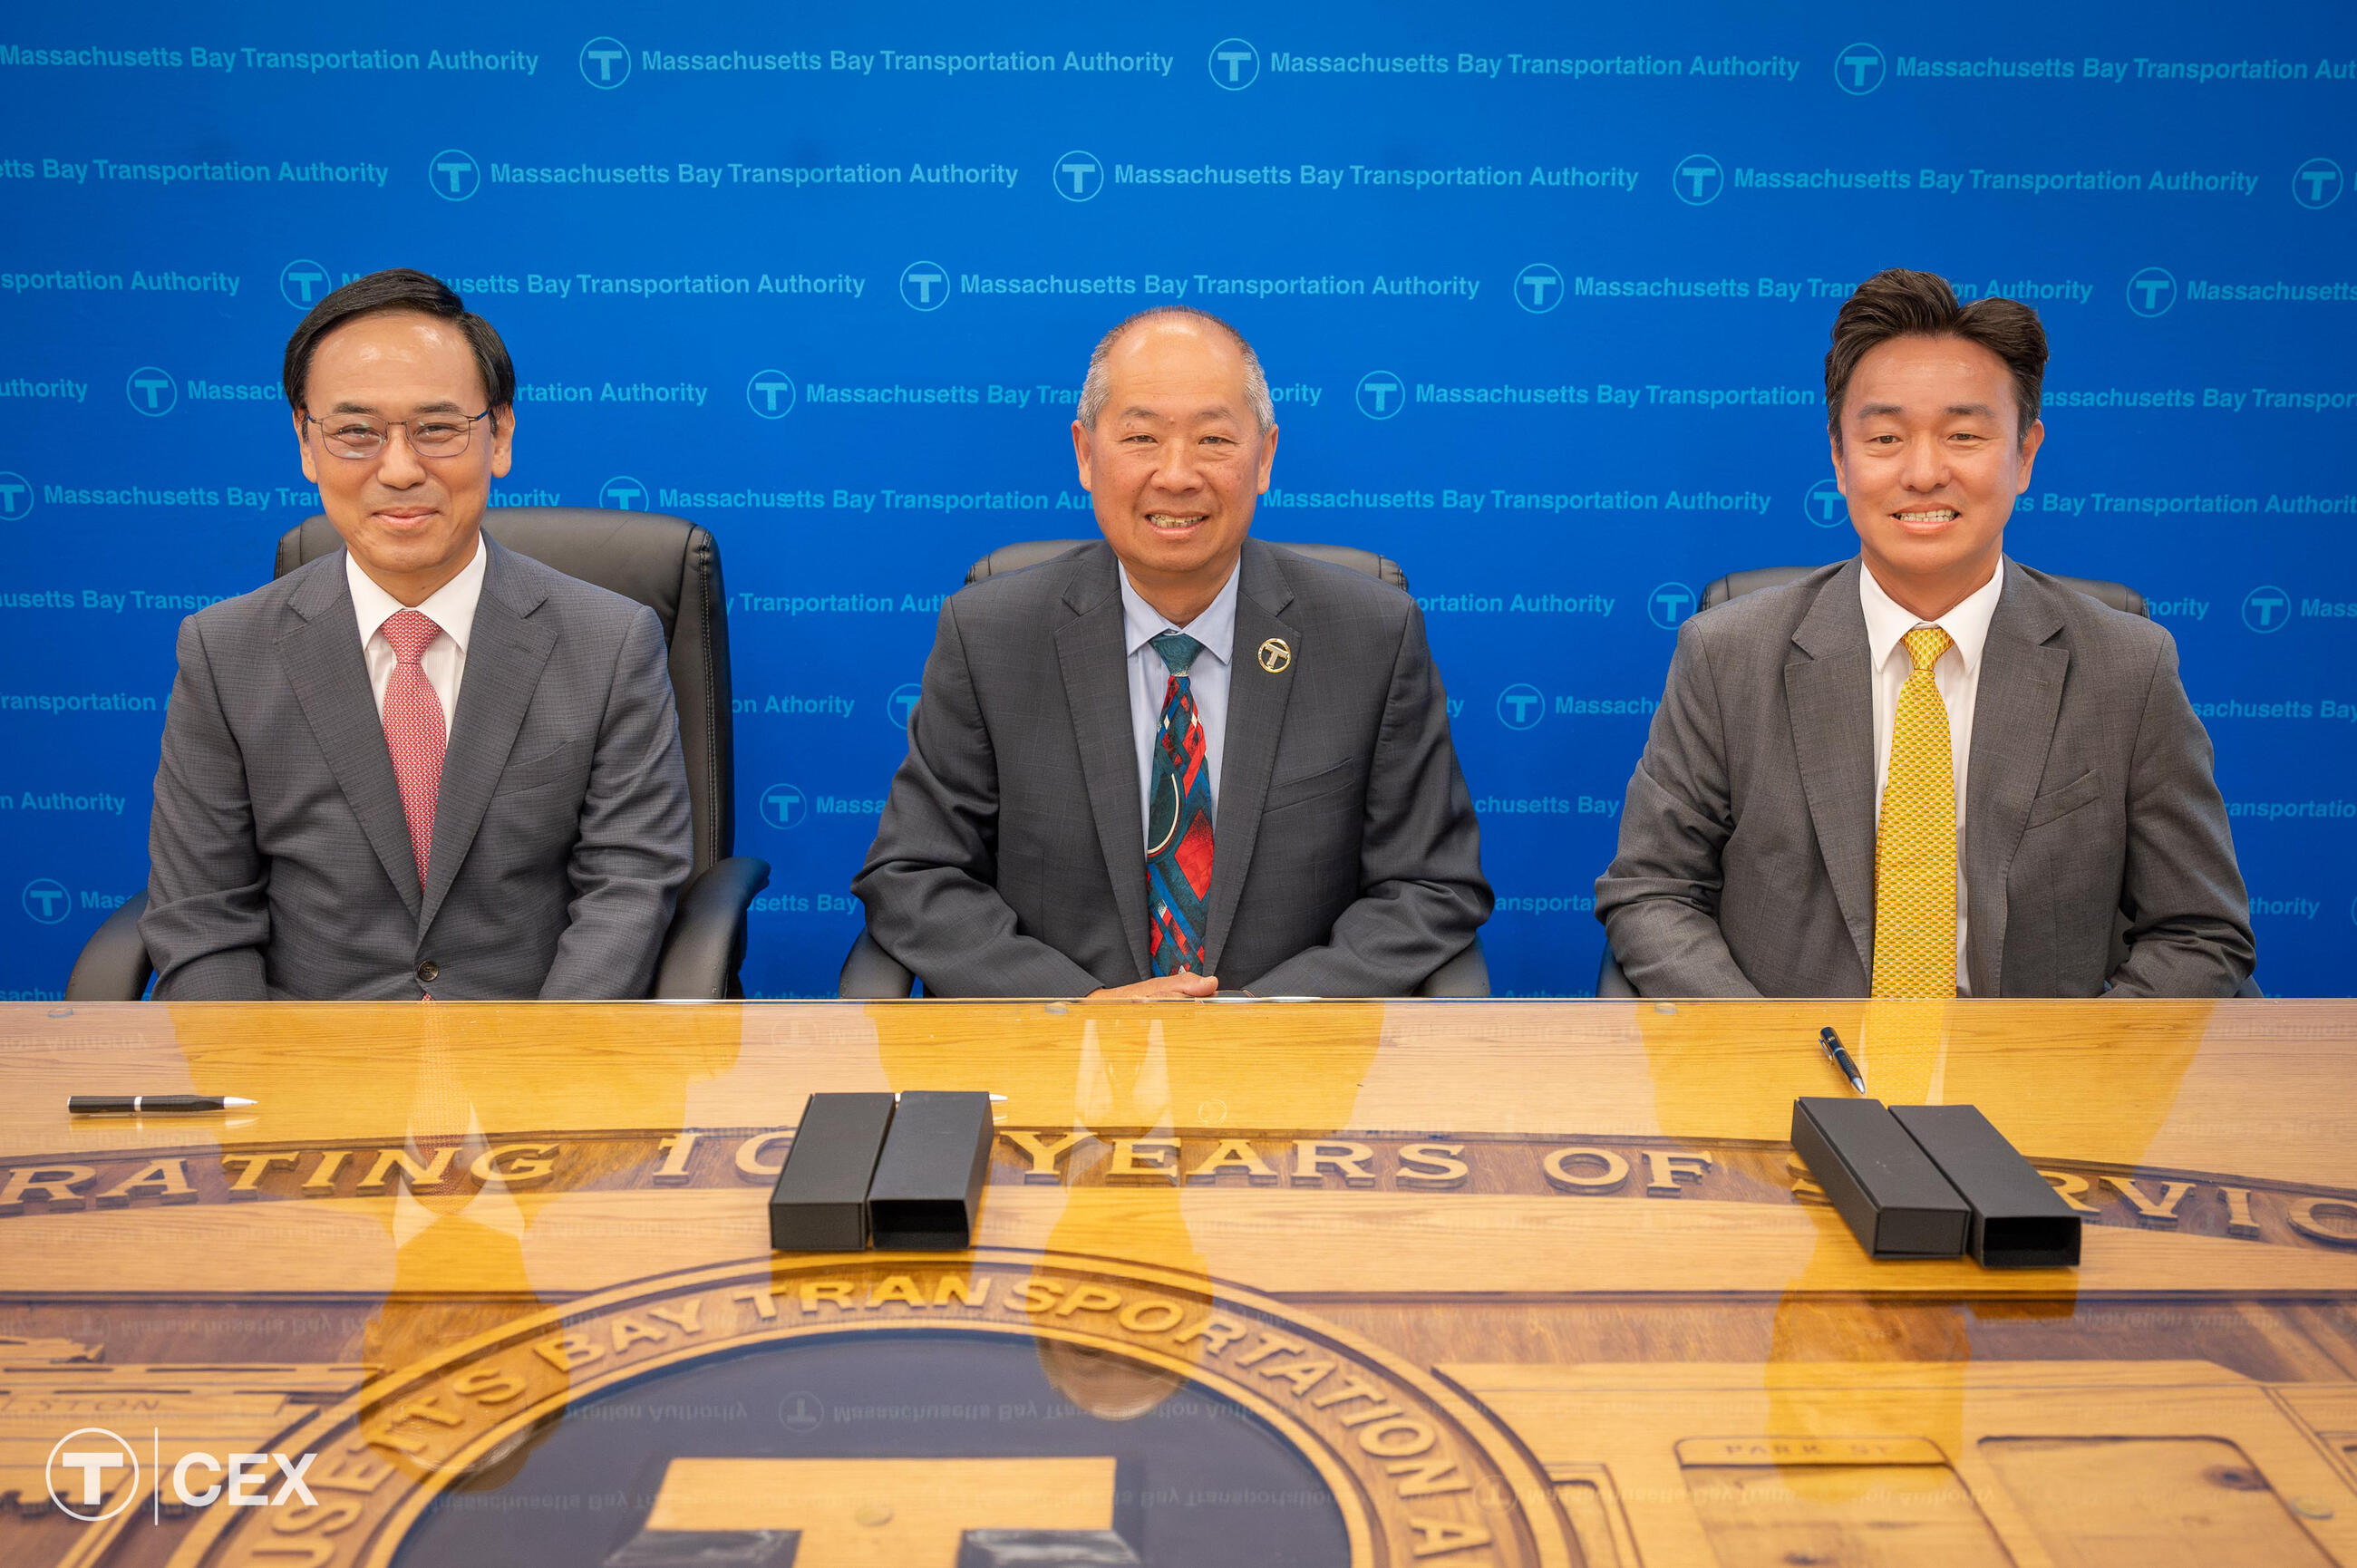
[{"x": 360, "y": 436}]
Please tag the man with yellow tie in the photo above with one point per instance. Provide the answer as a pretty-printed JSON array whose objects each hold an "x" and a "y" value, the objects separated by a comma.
[{"x": 1928, "y": 770}]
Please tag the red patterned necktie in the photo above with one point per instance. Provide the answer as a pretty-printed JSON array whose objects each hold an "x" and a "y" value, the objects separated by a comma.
[
  {"x": 1179, "y": 821},
  {"x": 413, "y": 730}
]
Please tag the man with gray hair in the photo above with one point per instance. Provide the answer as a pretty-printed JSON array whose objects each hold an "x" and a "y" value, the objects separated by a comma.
[{"x": 1181, "y": 757}]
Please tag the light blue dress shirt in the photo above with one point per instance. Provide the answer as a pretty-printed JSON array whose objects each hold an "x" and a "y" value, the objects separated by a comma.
[{"x": 1150, "y": 677}]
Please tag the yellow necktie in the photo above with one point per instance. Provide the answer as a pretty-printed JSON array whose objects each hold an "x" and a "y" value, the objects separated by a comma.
[{"x": 1915, "y": 848}]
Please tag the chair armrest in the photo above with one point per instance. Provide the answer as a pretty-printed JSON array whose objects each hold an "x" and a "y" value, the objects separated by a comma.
[
  {"x": 1611, "y": 984},
  {"x": 870, "y": 973},
  {"x": 706, "y": 944},
  {"x": 1466, "y": 975},
  {"x": 114, "y": 964}
]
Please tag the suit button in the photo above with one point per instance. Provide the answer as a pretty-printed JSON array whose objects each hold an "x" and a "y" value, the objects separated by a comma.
[{"x": 429, "y": 972}]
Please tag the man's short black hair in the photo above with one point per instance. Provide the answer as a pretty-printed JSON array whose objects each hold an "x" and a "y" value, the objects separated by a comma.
[
  {"x": 1900, "y": 302},
  {"x": 398, "y": 289}
]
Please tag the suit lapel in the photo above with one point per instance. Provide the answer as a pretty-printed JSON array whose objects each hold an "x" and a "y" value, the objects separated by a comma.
[
  {"x": 506, "y": 651},
  {"x": 1090, "y": 651},
  {"x": 1256, "y": 704},
  {"x": 2013, "y": 709},
  {"x": 1829, "y": 696},
  {"x": 320, "y": 652}
]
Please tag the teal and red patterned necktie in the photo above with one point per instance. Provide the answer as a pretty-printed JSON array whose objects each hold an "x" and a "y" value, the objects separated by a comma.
[{"x": 1178, "y": 820}]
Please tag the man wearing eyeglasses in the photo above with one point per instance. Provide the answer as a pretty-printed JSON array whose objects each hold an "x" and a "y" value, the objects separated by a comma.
[{"x": 424, "y": 767}]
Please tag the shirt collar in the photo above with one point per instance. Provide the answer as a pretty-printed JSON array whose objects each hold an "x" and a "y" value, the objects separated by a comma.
[
  {"x": 1215, "y": 628},
  {"x": 1968, "y": 625},
  {"x": 450, "y": 606}
]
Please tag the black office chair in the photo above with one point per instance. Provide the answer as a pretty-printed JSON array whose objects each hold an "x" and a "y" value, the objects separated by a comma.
[
  {"x": 668, "y": 564},
  {"x": 871, "y": 973},
  {"x": 1031, "y": 552},
  {"x": 1735, "y": 584},
  {"x": 1611, "y": 983}
]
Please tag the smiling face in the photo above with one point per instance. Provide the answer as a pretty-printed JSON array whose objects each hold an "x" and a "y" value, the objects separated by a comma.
[
  {"x": 1930, "y": 457},
  {"x": 1176, "y": 461},
  {"x": 411, "y": 522}
]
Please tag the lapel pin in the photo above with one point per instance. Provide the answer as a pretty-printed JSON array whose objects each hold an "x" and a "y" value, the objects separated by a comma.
[{"x": 1275, "y": 655}]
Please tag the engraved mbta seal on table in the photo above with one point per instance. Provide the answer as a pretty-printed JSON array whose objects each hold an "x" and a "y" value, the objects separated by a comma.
[{"x": 990, "y": 1404}]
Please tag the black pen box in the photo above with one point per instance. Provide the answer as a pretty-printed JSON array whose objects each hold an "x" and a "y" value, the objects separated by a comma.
[
  {"x": 1889, "y": 1192},
  {"x": 928, "y": 1185},
  {"x": 2019, "y": 1220},
  {"x": 819, "y": 1204}
]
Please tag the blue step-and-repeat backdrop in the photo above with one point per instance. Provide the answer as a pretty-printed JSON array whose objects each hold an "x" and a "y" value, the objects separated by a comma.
[{"x": 1543, "y": 291}]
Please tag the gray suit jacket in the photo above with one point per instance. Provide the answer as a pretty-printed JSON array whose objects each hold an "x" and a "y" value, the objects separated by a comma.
[
  {"x": 2095, "y": 847},
  {"x": 280, "y": 862},
  {"x": 1011, "y": 859}
]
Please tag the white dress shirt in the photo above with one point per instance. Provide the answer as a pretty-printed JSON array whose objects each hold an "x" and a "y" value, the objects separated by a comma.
[
  {"x": 451, "y": 607},
  {"x": 1956, "y": 674},
  {"x": 1149, "y": 679}
]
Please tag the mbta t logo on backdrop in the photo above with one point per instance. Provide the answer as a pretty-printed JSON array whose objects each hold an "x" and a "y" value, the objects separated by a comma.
[
  {"x": 2316, "y": 184},
  {"x": 454, "y": 174},
  {"x": 924, "y": 285},
  {"x": 1824, "y": 504},
  {"x": 2267, "y": 609},
  {"x": 45, "y": 899},
  {"x": 605, "y": 63},
  {"x": 1670, "y": 604},
  {"x": 2152, "y": 291},
  {"x": 1077, "y": 176},
  {"x": 301, "y": 283},
  {"x": 622, "y": 493},
  {"x": 1520, "y": 705},
  {"x": 771, "y": 394},
  {"x": 1236, "y": 64},
  {"x": 1857, "y": 69},
  {"x": 93, "y": 1474},
  {"x": 152, "y": 391},
  {"x": 1381, "y": 394},
  {"x": 15, "y": 496},
  {"x": 1697, "y": 178}
]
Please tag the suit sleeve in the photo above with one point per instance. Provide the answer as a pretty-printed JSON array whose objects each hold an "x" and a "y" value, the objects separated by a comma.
[
  {"x": 1659, "y": 898},
  {"x": 1422, "y": 895},
  {"x": 929, "y": 881},
  {"x": 207, "y": 915},
  {"x": 2189, "y": 931},
  {"x": 635, "y": 846}
]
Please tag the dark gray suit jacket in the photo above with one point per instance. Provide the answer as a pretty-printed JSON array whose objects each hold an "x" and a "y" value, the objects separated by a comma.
[
  {"x": 2096, "y": 849},
  {"x": 1011, "y": 858},
  {"x": 280, "y": 862}
]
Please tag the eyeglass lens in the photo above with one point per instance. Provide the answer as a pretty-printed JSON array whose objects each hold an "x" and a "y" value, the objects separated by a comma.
[{"x": 361, "y": 436}]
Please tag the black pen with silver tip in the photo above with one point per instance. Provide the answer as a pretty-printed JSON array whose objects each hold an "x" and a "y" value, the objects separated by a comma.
[
  {"x": 1832, "y": 1042},
  {"x": 148, "y": 1104}
]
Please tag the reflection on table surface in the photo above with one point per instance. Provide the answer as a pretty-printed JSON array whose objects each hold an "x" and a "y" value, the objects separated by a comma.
[{"x": 1489, "y": 1283}]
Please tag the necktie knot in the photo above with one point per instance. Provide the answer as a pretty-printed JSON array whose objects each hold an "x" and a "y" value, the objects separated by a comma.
[
  {"x": 1925, "y": 644},
  {"x": 1178, "y": 650},
  {"x": 409, "y": 632}
]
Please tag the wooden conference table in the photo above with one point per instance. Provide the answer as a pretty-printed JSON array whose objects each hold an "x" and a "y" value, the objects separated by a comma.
[{"x": 1432, "y": 1282}]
